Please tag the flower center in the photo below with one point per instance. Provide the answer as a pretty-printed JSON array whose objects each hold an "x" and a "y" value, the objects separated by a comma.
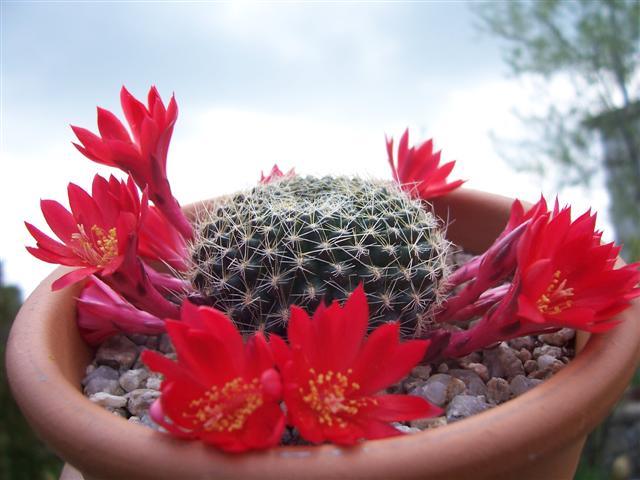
[
  {"x": 226, "y": 409},
  {"x": 97, "y": 247},
  {"x": 557, "y": 296},
  {"x": 328, "y": 396}
]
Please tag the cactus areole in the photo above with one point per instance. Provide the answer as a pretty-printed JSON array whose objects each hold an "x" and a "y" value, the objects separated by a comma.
[{"x": 306, "y": 240}]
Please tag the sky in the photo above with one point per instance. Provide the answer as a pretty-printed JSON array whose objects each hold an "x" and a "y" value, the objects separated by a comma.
[{"x": 313, "y": 85}]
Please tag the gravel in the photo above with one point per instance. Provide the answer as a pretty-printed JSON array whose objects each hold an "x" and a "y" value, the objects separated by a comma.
[{"x": 121, "y": 383}]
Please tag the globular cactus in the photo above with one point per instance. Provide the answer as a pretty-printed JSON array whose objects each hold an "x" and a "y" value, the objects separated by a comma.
[{"x": 304, "y": 240}]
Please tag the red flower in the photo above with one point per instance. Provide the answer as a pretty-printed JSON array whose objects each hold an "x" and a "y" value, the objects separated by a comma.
[
  {"x": 331, "y": 374},
  {"x": 144, "y": 157},
  {"x": 159, "y": 240},
  {"x": 418, "y": 169},
  {"x": 220, "y": 390},
  {"x": 103, "y": 313},
  {"x": 96, "y": 232},
  {"x": 276, "y": 174},
  {"x": 565, "y": 278}
]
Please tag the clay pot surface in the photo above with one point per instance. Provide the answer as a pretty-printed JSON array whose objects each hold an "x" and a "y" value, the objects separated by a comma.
[{"x": 537, "y": 435}]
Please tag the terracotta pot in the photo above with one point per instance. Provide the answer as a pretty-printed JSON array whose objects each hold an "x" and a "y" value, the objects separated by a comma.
[{"x": 538, "y": 435}]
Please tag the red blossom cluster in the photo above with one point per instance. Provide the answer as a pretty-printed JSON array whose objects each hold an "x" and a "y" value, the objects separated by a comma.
[
  {"x": 113, "y": 235},
  {"x": 228, "y": 393},
  {"x": 545, "y": 271}
]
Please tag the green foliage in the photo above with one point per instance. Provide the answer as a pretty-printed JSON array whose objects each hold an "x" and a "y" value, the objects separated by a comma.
[
  {"x": 303, "y": 240},
  {"x": 22, "y": 455},
  {"x": 593, "y": 46}
]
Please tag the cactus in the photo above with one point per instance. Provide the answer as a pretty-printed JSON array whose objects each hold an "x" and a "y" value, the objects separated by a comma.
[{"x": 304, "y": 240}]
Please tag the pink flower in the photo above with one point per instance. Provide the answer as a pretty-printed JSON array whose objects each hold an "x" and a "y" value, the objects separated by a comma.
[
  {"x": 221, "y": 390},
  {"x": 95, "y": 234},
  {"x": 276, "y": 174},
  {"x": 418, "y": 169},
  {"x": 103, "y": 313},
  {"x": 144, "y": 157},
  {"x": 332, "y": 376}
]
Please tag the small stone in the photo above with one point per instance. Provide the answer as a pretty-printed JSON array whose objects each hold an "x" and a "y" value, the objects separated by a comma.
[
  {"x": 421, "y": 371},
  {"x": 134, "y": 419},
  {"x": 622, "y": 467},
  {"x": 119, "y": 412},
  {"x": 520, "y": 384},
  {"x": 443, "y": 368},
  {"x": 545, "y": 361},
  {"x": 555, "y": 352},
  {"x": 107, "y": 400},
  {"x": 524, "y": 355},
  {"x": 522, "y": 342},
  {"x": 154, "y": 382},
  {"x": 464, "y": 406},
  {"x": 164, "y": 344},
  {"x": 140, "y": 400},
  {"x": 102, "y": 379},
  {"x": 117, "y": 352},
  {"x": 427, "y": 423},
  {"x": 503, "y": 362},
  {"x": 559, "y": 338},
  {"x": 152, "y": 343},
  {"x": 557, "y": 366},
  {"x": 498, "y": 390},
  {"x": 479, "y": 369},
  {"x": 473, "y": 357},
  {"x": 530, "y": 366},
  {"x": 138, "y": 338},
  {"x": 405, "y": 429},
  {"x": 90, "y": 368},
  {"x": 146, "y": 420},
  {"x": 133, "y": 379},
  {"x": 439, "y": 389},
  {"x": 472, "y": 381}
]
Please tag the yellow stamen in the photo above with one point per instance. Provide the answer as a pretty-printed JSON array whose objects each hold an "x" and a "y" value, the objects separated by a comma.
[
  {"x": 97, "y": 248},
  {"x": 327, "y": 394},
  {"x": 226, "y": 409},
  {"x": 557, "y": 297}
]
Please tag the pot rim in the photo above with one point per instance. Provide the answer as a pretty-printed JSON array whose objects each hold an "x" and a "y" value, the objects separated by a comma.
[{"x": 44, "y": 373}]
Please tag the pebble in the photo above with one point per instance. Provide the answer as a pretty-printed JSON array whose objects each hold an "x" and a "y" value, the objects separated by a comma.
[
  {"x": 545, "y": 361},
  {"x": 503, "y": 362},
  {"x": 559, "y": 338},
  {"x": 164, "y": 344},
  {"x": 463, "y": 406},
  {"x": 479, "y": 369},
  {"x": 421, "y": 371},
  {"x": 133, "y": 379},
  {"x": 426, "y": 423},
  {"x": 139, "y": 400},
  {"x": 405, "y": 428},
  {"x": 107, "y": 400},
  {"x": 440, "y": 389},
  {"x": 472, "y": 381},
  {"x": 154, "y": 382},
  {"x": 117, "y": 352},
  {"x": 521, "y": 384},
  {"x": 524, "y": 355},
  {"x": 519, "y": 343},
  {"x": 530, "y": 366},
  {"x": 555, "y": 352},
  {"x": 102, "y": 379},
  {"x": 498, "y": 390}
]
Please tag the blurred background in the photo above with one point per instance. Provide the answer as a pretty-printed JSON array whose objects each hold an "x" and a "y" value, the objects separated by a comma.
[{"x": 529, "y": 97}]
